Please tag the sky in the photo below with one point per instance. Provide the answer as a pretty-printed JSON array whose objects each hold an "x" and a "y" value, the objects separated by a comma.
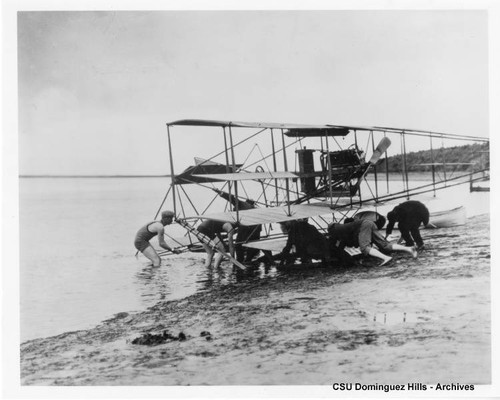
[{"x": 96, "y": 88}]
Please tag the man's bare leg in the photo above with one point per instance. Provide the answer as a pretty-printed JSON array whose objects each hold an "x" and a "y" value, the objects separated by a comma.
[
  {"x": 210, "y": 254},
  {"x": 218, "y": 260},
  {"x": 406, "y": 249},
  {"x": 150, "y": 253},
  {"x": 219, "y": 257},
  {"x": 375, "y": 253}
]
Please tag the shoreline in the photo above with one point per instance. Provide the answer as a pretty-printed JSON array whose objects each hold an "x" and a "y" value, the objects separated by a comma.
[{"x": 303, "y": 327}]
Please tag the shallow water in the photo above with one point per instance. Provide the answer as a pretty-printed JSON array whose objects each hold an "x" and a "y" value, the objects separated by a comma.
[{"x": 77, "y": 257}]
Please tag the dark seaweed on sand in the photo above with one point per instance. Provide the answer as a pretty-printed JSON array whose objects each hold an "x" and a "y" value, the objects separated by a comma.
[{"x": 150, "y": 339}]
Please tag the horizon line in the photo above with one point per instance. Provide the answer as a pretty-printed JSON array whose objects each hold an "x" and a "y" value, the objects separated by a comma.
[{"x": 92, "y": 176}]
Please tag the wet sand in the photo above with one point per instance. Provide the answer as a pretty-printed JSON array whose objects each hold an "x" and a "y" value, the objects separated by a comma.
[{"x": 425, "y": 320}]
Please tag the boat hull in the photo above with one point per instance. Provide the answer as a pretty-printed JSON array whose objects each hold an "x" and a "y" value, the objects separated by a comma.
[{"x": 447, "y": 218}]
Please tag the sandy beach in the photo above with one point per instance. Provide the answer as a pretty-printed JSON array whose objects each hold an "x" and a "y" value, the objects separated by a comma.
[{"x": 425, "y": 320}]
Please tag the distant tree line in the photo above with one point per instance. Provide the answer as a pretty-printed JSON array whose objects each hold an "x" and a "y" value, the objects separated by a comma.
[{"x": 477, "y": 153}]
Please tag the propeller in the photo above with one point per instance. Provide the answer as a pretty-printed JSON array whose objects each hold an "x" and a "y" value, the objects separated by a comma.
[
  {"x": 379, "y": 150},
  {"x": 377, "y": 153}
]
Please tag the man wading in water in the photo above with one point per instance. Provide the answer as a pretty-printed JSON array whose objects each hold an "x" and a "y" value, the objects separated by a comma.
[
  {"x": 213, "y": 229},
  {"x": 148, "y": 232}
]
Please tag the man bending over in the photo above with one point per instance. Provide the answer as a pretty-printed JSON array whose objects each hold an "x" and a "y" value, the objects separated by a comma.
[{"x": 148, "y": 232}]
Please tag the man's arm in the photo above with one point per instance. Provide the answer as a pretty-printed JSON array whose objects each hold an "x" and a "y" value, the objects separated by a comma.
[
  {"x": 161, "y": 240},
  {"x": 392, "y": 217},
  {"x": 288, "y": 246},
  {"x": 425, "y": 216},
  {"x": 291, "y": 240},
  {"x": 390, "y": 227}
]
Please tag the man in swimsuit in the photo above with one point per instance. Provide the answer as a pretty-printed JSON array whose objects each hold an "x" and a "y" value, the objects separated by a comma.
[
  {"x": 245, "y": 233},
  {"x": 213, "y": 229},
  {"x": 409, "y": 216},
  {"x": 362, "y": 233},
  {"x": 149, "y": 231}
]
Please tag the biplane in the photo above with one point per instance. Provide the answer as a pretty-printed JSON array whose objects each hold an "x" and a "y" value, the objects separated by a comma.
[{"x": 270, "y": 173}]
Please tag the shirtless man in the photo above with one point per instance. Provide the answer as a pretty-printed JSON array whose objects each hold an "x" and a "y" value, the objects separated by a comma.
[
  {"x": 149, "y": 231},
  {"x": 213, "y": 229}
]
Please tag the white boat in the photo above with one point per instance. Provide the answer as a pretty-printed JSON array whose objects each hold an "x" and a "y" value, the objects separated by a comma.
[
  {"x": 447, "y": 218},
  {"x": 480, "y": 186}
]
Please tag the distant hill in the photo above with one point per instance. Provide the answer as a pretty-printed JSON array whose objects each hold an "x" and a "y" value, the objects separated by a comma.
[{"x": 471, "y": 153}]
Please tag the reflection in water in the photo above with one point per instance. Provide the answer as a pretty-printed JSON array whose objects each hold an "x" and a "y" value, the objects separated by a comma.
[
  {"x": 257, "y": 271},
  {"x": 173, "y": 280},
  {"x": 394, "y": 318},
  {"x": 214, "y": 278},
  {"x": 184, "y": 276},
  {"x": 227, "y": 274},
  {"x": 154, "y": 286}
]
